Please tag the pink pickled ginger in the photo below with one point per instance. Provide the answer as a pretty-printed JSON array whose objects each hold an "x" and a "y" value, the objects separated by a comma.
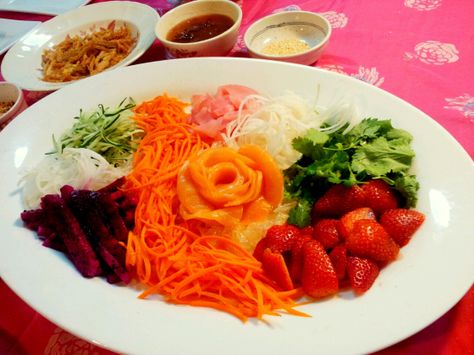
[{"x": 212, "y": 113}]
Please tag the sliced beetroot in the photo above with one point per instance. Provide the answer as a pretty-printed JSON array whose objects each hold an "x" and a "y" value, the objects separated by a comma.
[
  {"x": 112, "y": 215},
  {"x": 90, "y": 227},
  {"x": 111, "y": 259},
  {"x": 113, "y": 186},
  {"x": 79, "y": 250},
  {"x": 85, "y": 205},
  {"x": 32, "y": 219}
]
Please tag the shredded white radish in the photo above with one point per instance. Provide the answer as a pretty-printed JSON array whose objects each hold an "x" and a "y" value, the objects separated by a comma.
[
  {"x": 277, "y": 121},
  {"x": 79, "y": 167}
]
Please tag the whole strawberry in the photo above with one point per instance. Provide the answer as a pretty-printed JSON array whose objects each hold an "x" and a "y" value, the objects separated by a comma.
[
  {"x": 338, "y": 200},
  {"x": 326, "y": 231},
  {"x": 379, "y": 196},
  {"x": 362, "y": 273},
  {"x": 369, "y": 239},
  {"x": 279, "y": 238},
  {"x": 401, "y": 224},
  {"x": 318, "y": 277}
]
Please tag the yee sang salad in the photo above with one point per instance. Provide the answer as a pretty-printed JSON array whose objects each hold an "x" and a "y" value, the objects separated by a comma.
[{"x": 240, "y": 202}]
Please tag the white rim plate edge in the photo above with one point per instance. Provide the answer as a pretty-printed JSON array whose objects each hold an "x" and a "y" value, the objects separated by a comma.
[
  {"x": 16, "y": 30},
  {"x": 436, "y": 266},
  {"x": 42, "y": 7},
  {"x": 22, "y": 63}
]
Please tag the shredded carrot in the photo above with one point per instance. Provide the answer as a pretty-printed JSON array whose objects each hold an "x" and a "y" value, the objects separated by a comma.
[{"x": 170, "y": 256}]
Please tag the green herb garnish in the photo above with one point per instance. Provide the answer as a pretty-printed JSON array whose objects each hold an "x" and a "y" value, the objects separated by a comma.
[{"x": 371, "y": 150}]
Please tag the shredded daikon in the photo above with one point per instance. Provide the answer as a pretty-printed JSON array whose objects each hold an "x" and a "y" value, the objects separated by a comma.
[
  {"x": 279, "y": 120},
  {"x": 79, "y": 167}
]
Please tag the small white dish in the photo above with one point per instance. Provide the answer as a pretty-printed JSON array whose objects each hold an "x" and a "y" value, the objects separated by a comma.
[
  {"x": 12, "y": 30},
  {"x": 47, "y": 7},
  {"x": 307, "y": 33},
  {"x": 22, "y": 63},
  {"x": 11, "y": 93},
  {"x": 218, "y": 45}
]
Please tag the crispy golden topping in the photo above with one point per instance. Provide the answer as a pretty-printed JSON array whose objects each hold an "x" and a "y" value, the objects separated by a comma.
[{"x": 80, "y": 56}]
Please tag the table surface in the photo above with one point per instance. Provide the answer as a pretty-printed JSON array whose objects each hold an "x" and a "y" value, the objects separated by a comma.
[{"x": 420, "y": 50}]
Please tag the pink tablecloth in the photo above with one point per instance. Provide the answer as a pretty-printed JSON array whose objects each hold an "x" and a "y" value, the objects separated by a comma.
[{"x": 419, "y": 50}]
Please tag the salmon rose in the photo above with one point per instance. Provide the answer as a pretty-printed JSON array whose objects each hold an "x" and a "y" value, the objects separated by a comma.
[{"x": 228, "y": 187}]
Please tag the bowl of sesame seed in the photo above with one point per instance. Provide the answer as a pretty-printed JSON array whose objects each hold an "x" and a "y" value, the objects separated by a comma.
[{"x": 293, "y": 36}]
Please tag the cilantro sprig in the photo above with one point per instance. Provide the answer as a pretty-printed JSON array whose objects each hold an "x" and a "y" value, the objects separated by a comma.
[{"x": 373, "y": 149}]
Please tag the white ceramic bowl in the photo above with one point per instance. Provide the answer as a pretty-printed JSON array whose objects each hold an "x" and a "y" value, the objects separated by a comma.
[
  {"x": 216, "y": 46},
  {"x": 10, "y": 92},
  {"x": 302, "y": 26}
]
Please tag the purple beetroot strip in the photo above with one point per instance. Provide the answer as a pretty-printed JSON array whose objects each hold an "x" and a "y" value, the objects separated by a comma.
[
  {"x": 112, "y": 215},
  {"x": 84, "y": 204},
  {"x": 43, "y": 221},
  {"x": 113, "y": 186},
  {"x": 79, "y": 250},
  {"x": 87, "y": 226}
]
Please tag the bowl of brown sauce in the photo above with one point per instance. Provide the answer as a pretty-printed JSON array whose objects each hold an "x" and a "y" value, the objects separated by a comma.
[{"x": 200, "y": 28}]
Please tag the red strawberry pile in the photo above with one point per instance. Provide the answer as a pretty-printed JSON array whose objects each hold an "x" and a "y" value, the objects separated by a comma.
[{"x": 356, "y": 231}]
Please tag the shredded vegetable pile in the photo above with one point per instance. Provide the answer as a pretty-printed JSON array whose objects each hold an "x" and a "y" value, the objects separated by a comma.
[
  {"x": 219, "y": 199},
  {"x": 278, "y": 120},
  {"x": 109, "y": 132},
  {"x": 78, "y": 167},
  {"x": 164, "y": 252}
]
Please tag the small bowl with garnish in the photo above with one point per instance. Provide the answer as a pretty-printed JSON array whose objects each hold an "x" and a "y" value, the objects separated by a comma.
[
  {"x": 292, "y": 36},
  {"x": 12, "y": 102},
  {"x": 200, "y": 29}
]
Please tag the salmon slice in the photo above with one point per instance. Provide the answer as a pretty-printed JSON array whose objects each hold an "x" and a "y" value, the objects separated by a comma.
[
  {"x": 272, "y": 189},
  {"x": 229, "y": 187}
]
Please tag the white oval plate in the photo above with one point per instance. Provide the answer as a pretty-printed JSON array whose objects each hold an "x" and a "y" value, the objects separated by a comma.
[
  {"x": 431, "y": 275},
  {"x": 22, "y": 63}
]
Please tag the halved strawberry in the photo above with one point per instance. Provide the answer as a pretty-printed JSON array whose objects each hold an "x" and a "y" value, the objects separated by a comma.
[
  {"x": 275, "y": 267},
  {"x": 296, "y": 259},
  {"x": 369, "y": 239},
  {"x": 338, "y": 256},
  {"x": 362, "y": 273},
  {"x": 318, "y": 278},
  {"x": 379, "y": 196},
  {"x": 347, "y": 221},
  {"x": 326, "y": 231},
  {"x": 278, "y": 238},
  {"x": 329, "y": 205},
  {"x": 401, "y": 224},
  {"x": 338, "y": 200}
]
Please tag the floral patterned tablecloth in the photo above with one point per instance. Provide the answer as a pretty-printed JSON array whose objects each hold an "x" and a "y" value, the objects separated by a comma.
[{"x": 419, "y": 50}]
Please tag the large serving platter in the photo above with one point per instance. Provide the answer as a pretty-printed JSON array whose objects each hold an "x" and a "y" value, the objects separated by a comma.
[{"x": 432, "y": 273}]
